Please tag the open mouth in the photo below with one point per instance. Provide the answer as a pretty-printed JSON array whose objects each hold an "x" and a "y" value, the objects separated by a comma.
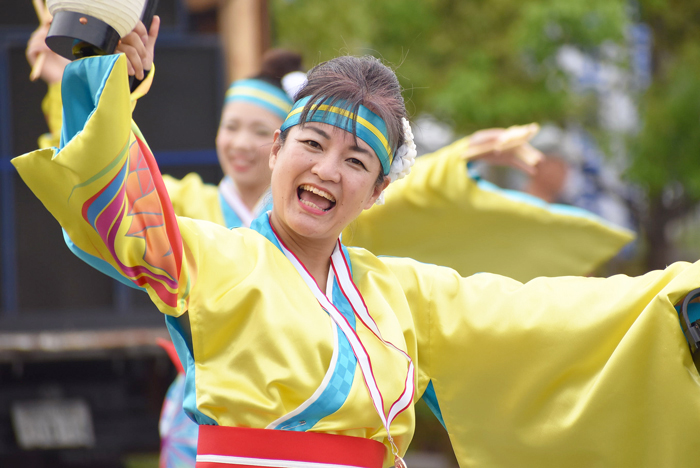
[{"x": 315, "y": 198}]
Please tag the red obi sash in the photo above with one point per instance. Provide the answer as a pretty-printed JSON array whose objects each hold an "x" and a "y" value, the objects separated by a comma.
[{"x": 220, "y": 447}]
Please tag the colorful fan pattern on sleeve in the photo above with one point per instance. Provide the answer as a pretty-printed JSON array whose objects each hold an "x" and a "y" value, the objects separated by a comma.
[{"x": 131, "y": 197}]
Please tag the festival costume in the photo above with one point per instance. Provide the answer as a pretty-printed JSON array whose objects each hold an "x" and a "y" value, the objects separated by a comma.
[
  {"x": 178, "y": 433},
  {"x": 556, "y": 372},
  {"x": 51, "y": 107},
  {"x": 221, "y": 204}
]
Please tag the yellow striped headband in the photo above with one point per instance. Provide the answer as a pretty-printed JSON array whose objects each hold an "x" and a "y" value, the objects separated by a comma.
[
  {"x": 261, "y": 93},
  {"x": 369, "y": 127}
]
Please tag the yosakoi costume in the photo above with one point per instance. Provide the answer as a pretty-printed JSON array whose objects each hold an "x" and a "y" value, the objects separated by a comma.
[
  {"x": 51, "y": 107},
  {"x": 221, "y": 204},
  {"x": 178, "y": 433},
  {"x": 555, "y": 372}
]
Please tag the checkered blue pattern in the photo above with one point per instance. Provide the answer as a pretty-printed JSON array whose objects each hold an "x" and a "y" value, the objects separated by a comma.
[{"x": 338, "y": 389}]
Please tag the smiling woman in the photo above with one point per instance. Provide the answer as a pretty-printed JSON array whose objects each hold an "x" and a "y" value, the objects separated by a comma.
[
  {"x": 322, "y": 180},
  {"x": 332, "y": 156},
  {"x": 300, "y": 351}
]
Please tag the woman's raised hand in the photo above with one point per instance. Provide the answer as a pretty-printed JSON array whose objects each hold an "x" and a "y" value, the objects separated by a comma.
[
  {"x": 51, "y": 70},
  {"x": 139, "y": 46},
  {"x": 506, "y": 147}
]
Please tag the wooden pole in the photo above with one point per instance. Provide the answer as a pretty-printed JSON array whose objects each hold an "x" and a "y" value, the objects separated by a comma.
[{"x": 244, "y": 29}]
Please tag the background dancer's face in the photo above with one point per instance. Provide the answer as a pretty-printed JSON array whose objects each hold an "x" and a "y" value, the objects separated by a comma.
[
  {"x": 243, "y": 144},
  {"x": 322, "y": 179}
]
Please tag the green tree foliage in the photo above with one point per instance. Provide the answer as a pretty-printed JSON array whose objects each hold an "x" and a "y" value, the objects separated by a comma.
[
  {"x": 667, "y": 148},
  {"x": 666, "y": 152},
  {"x": 478, "y": 63}
]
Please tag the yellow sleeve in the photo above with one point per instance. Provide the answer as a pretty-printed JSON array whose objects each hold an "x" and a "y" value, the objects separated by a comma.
[
  {"x": 439, "y": 214},
  {"x": 192, "y": 198},
  {"x": 558, "y": 371},
  {"x": 51, "y": 106},
  {"x": 142, "y": 88},
  {"x": 104, "y": 188}
]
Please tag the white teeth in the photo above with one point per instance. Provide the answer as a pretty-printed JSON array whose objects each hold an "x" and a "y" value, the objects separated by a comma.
[
  {"x": 312, "y": 205},
  {"x": 319, "y": 192}
]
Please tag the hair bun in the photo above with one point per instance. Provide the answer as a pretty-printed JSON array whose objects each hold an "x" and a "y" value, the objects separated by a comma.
[{"x": 278, "y": 62}]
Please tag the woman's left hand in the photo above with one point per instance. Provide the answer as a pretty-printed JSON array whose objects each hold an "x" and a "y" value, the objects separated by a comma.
[
  {"x": 51, "y": 71},
  {"x": 139, "y": 46},
  {"x": 494, "y": 146}
]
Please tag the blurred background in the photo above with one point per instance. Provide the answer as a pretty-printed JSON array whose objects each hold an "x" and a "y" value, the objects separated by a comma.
[{"x": 613, "y": 83}]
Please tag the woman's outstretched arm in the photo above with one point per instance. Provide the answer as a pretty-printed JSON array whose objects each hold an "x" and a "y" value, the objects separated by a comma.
[
  {"x": 558, "y": 371},
  {"x": 441, "y": 214}
]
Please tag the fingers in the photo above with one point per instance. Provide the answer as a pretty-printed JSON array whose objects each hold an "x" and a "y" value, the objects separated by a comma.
[
  {"x": 37, "y": 44},
  {"x": 517, "y": 158},
  {"x": 150, "y": 42},
  {"x": 139, "y": 47},
  {"x": 153, "y": 33},
  {"x": 136, "y": 53},
  {"x": 133, "y": 62},
  {"x": 32, "y": 54},
  {"x": 489, "y": 135},
  {"x": 525, "y": 158},
  {"x": 140, "y": 30},
  {"x": 521, "y": 165},
  {"x": 54, "y": 65},
  {"x": 529, "y": 154}
]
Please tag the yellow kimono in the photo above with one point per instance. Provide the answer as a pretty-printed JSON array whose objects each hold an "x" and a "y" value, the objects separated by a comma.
[
  {"x": 556, "y": 372},
  {"x": 192, "y": 198},
  {"x": 51, "y": 107}
]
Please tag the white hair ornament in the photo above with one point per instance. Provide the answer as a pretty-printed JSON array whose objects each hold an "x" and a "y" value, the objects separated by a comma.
[
  {"x": 404, "y": 158},
  {"x": 293, "y": 82}
]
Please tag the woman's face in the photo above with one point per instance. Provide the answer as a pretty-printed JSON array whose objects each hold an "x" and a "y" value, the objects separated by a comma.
[
  {"x": 322, "y": 179},
  {"x": 243, "y": 144}
]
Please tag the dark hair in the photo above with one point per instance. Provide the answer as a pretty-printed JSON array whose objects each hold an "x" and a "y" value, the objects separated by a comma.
[
  {"x": 358, "y": 81},
  {"x": 276, "y": 63}
]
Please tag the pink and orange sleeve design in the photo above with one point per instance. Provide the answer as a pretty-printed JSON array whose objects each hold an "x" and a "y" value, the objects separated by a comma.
[{"x": 134, "y": 206}]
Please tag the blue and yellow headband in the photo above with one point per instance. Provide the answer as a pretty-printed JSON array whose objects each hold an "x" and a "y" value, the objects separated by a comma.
[
  {"x": 369, "y": 128},
  {"x": 259, "y": 92}
]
